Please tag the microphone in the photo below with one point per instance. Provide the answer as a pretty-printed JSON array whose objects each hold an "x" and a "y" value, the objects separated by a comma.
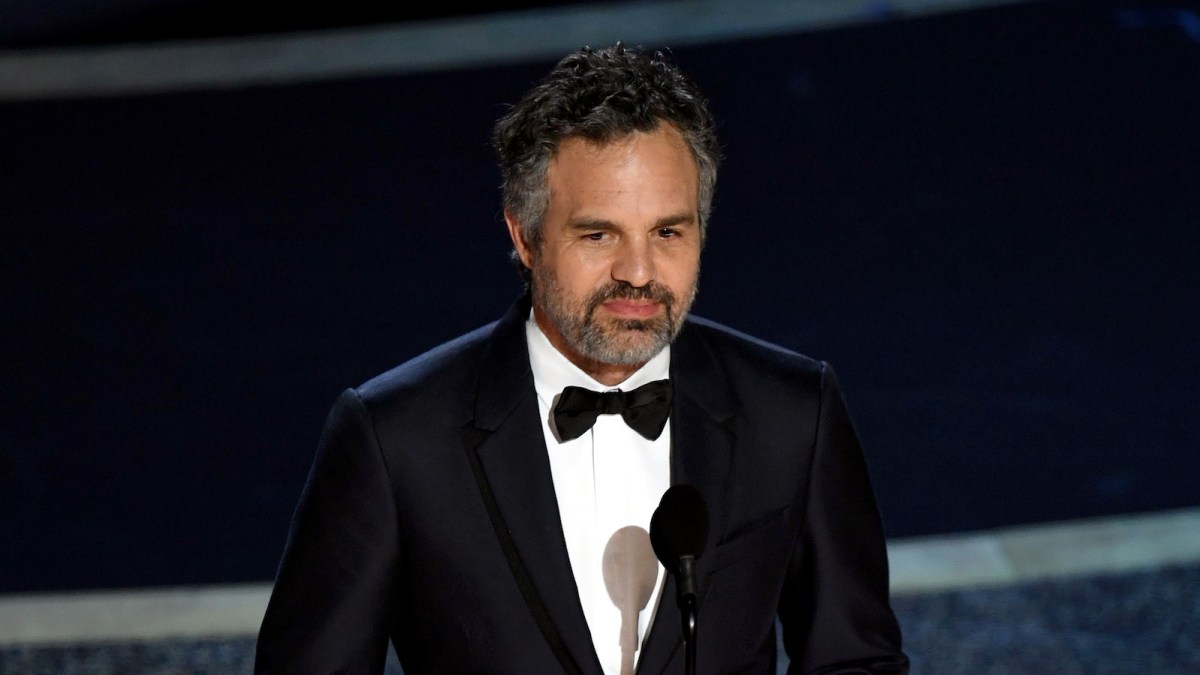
[{"x": 678, "y": 533}]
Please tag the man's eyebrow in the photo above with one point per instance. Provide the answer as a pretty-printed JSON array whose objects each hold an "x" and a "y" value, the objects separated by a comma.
[
  {"x": 601, "y": 225},
  {"x": 592, "y": 224},
  {"x": 676, "y": 220}
]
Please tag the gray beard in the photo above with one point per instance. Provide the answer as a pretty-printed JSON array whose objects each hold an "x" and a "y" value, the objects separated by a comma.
[{"x": 625, "y": 342}]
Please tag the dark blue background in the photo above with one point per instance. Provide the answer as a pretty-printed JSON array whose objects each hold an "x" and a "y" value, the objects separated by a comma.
[{"x": 986, "y": 221}]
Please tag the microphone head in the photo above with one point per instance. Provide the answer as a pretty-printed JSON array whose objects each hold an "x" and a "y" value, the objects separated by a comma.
[{"x": 679, "y": 526}]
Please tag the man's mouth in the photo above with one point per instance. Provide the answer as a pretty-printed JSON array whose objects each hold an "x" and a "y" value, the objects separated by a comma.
[{"x": 631, "y": 309}]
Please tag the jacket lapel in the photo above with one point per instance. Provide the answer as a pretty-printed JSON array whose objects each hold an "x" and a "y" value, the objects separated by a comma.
[
  {"x": 702, "y": 444},
  {"x": 507, "y": 438}
]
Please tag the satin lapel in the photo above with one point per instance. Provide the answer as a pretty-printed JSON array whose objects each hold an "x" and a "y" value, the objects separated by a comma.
[
  {"x": 702, "y": 446},
  {"x": 507, "y": 438}
]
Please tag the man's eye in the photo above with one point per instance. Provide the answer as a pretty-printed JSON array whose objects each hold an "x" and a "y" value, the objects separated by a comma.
[
  {"x": 667, "y": 232},
  {"x": 594, "y": 236}
]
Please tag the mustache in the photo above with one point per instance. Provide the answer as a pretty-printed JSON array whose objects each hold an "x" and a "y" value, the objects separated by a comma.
[{"x": 624, "y": 291}]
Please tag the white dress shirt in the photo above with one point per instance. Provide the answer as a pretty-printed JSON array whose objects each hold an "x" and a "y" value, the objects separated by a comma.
[{"x": 608, "y": 480}]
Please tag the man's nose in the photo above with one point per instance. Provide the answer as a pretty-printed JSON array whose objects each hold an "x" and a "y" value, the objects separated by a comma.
[{"x": 634, "y": 263}]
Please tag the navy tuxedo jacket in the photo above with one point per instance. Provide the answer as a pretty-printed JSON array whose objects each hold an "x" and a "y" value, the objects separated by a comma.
[{"x": 430, "y": 519}]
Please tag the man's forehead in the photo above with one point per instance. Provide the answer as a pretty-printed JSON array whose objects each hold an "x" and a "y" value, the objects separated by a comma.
[
  {"x": 598, "y": 144},
  {"x": 581, "y": 147},
  {"x": 663, "y": 141}
]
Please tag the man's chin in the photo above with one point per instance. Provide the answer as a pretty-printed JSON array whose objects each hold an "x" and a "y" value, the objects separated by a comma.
[{"x": 628, "y": 344}]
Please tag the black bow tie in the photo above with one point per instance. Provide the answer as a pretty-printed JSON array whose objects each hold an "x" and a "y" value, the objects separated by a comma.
[{"x": 645, "y": 409}]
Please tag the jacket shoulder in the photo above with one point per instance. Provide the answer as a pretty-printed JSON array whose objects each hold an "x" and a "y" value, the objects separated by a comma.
[
  {"x": 445, "y": 369},
  {"x": 748, "y": 355}
]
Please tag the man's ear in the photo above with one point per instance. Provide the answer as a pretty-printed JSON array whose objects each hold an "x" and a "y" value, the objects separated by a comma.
[{"x": 520, "y": 243}]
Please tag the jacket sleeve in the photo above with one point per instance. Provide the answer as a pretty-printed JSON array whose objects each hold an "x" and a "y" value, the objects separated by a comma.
[
  {"x": 835, "y": 611},
  {"x": 332, "y": 605}
]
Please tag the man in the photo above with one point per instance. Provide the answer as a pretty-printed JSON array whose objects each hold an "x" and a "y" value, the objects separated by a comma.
[{"x": 484, "y": 511}]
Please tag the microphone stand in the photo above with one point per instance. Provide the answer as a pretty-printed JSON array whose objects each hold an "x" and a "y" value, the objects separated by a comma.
[
  {"x": 689, "y": 637},
  {"x": 678, "y": 530},
  {"x": 688, "y": 610}
]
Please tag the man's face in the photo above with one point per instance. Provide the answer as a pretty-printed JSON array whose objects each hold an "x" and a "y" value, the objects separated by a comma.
[{"x": 616, "y": 270}]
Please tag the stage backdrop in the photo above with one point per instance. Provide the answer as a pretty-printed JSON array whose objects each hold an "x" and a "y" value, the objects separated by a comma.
[{"x": 987, "y": 222}]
